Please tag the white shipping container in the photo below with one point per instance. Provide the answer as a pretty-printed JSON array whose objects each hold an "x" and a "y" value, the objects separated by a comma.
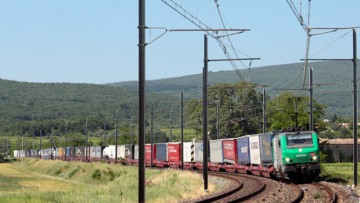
[
  {"x": 121, "y": 151},
  {"x": 136, "y": 153},
  {"x": 188, "y": 152},
  {"x": 199, "y": 151},
  {"x": 254, "y": 144},
  {"x": 16, "y": 153},
  {"x": 216, "y": 152},
  {"x": 92, "y": 152},
  {"x": 109, "y": 152}
]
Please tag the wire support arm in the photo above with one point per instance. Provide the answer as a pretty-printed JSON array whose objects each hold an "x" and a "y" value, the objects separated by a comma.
[{"x": 239, "y": 59}]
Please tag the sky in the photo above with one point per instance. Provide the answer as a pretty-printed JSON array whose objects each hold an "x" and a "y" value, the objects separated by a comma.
[{"x": 95, "y": 41}]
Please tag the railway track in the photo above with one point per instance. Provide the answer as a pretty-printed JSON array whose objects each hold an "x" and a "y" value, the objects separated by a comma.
[
  {"x": 246, "y": 187},
  {"x": 318, "y": 193}
]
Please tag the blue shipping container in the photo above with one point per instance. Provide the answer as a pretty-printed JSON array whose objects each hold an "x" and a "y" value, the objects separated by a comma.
[
  {"x": 161, "y": 152},
  {"x": 243, "y": 151},
  {"x": 67, "y": 152}
]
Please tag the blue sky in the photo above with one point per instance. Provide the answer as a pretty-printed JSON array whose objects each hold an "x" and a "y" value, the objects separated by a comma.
[{"x": 95, "y": 41}]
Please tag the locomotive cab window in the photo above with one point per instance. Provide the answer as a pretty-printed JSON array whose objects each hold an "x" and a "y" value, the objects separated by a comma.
[{"x": 299, "y": 140}]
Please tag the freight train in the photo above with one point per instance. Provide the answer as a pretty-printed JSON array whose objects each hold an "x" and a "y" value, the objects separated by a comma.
[{"x": 285, "y": 155}]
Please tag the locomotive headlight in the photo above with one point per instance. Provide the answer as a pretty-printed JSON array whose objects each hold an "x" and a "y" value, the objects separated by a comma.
[
  {"x": 313, "y": 156},
  {"x": 287, "y": 159}
]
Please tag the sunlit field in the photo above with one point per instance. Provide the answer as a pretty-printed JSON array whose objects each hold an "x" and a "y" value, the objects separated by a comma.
[{"x": 59, "y": 181}]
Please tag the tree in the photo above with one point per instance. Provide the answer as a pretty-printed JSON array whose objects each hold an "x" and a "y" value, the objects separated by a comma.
[
  {"x": 281, "y": 112},
  {"x": 240, "y": 110}
]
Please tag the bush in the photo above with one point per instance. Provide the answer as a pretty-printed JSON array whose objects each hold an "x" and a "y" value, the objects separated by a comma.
[{"x": 96, "y": 175}]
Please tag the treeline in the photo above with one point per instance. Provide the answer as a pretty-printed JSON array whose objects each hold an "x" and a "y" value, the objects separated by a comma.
[{"x": 49, "y": 106}]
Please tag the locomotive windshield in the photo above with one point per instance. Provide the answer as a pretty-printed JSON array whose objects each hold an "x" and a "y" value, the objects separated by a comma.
[{"x": 299, "y": 140}]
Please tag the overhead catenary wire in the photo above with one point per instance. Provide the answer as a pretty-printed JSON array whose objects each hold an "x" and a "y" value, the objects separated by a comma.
[
  {"x": 227, "y": 34},
  {"x": 198, "y": 23},
  {"x": 330, "y": 44}
]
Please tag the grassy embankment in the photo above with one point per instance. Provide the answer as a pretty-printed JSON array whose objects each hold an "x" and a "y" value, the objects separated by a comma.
[
  {"x": 57, "y": 181},
  {"x": 342, "y": 173}
]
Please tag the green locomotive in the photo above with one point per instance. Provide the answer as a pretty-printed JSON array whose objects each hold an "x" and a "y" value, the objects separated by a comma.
[{"x": 296, "y": 155}]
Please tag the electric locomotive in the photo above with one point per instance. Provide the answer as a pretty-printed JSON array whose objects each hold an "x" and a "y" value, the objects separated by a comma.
[{"x": 296, "y": 155}]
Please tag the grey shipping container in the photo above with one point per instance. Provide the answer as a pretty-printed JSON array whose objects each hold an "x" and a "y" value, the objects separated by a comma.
[
  {"x": 92, "y": 152},
  {"x": 57, "y": 152},
  {"x": 216, "y": 152},
  {"x": 243, "y": 150},
  {"x": 161, "y": 152},
  {"x": 129, "y": 151},
  {"x": 265, "y": 145},
  {"x": 98, "y": 152},
  {"x": 68, "y": 151}
]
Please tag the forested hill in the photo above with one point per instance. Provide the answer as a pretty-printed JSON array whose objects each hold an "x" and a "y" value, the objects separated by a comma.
[
  {"x": 332, "y": 83},
  {"x": 35, "y": 105}
]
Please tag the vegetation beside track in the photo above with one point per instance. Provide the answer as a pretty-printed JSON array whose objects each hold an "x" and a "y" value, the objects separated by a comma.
[
  {"x": 342, "y": 173},
  {"x": 58, "y": 181}
]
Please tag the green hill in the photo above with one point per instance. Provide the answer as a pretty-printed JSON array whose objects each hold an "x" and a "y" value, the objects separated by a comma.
[
  {"x": 26, "y": 106},
  {"x": 332, "y": 83},
  {"x": 30, "y": 106}
]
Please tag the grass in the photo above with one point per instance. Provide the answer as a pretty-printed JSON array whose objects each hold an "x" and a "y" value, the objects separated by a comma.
[
  {"x": 342, "y": 173},
  {"x": 58, "y": 181}
]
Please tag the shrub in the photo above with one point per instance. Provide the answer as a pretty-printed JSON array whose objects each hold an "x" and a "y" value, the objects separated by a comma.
[{"x": 96, "y": 175}]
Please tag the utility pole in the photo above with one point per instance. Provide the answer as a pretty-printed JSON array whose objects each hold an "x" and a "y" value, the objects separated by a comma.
[
  {"x": 51, "y": 145},
  {"x": 116, "y": 136},
  {"x": 142, "y": 44},
  {"x": 264, "y": 109},
  {"x": 152, "y": 133},
  {"x": 27, "y": 141},
  {"x": 205, "y": 106},
  {"x": 171, "y": 138},
  {"x": 182, "y": 127},
  {"x": 86, "y": 150},
  {"x": 355, "y": 125},
  {"x": 40, "y": 143},
  {"x": 355, "y": 116},
  {"x": 132, "y": 130},
  {"x": 311, "y": 122},
  {"x": 22, "y": 154},
  {"x": 218, "y": 119}
]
